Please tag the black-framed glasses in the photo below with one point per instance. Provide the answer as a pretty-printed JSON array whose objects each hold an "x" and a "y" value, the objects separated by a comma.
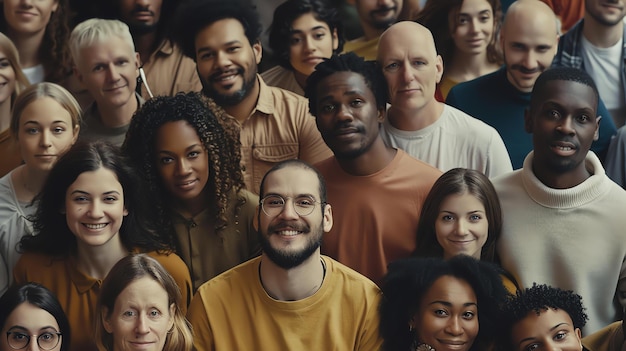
[
  {"x": 46, "y": 341},
  {"x": 273, "y": 205}
]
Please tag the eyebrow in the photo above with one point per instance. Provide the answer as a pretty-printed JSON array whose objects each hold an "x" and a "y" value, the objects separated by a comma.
[
  {"x": 449, "y": 304},
  {"x": 551, "y": 329},
  {"x": 19, "y": 327},
  {"x": 189, "y": 148},
  {"x": 347, "y": 93},
  {"x": 283, "y": 196},
  {"x": 86, "y": 193},
  {"x": 206, "y": 48},
  {"x": 37, "y": 123},
  {"x": 298, "y": 31},
  {"x": 474, "y": 211}
]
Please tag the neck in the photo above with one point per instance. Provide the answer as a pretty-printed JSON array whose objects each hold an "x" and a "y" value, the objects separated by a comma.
[
  {"x": 28, "y": 46},
  {"x": 464, "y": 67},
  {"x": 96, "y": 262},
  {"x": 415, "y": 119},
  {"x": 376, "y": 158},
  {"x": 113, "y": 117},
  {"x": 370, "y": 32},
  {"x": 145, "y": 44},
  {"x": 300, "y": 78},
  {"x": 600, "y": 35},
  {"x": 292, "y": 284},
  {"x": 190, "y": 208},
  {"x": 561, "y": 180},
  {"x": 243, "y": 109},
  {"x": 28, "y": 182},
  {"x": 5, "y": 114}
]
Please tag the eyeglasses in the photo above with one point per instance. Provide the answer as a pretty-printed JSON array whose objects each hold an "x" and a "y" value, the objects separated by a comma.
[
  {"x": 45, "y": 341},
  {"x": 273, "y": 205}
]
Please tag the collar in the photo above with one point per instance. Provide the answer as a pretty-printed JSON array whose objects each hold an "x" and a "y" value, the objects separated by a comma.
[
  {"x": 83, "y": 282},
  {"x": 265, "y": 102},
  {"x": 166, "y": 48}
]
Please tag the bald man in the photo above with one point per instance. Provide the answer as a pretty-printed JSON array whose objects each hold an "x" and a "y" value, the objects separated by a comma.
[
  {"x": 428, "y": 130},
  {"x": 529, "y": 38}
]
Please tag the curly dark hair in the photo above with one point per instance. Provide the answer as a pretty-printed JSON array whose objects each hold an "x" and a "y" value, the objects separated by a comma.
[
  {"x": 538, "y": 298},
  {"x": 194, "y": 15},
  {"x": 286, "y": 13},
  {"x": 436, "y": 16},
  {"x": 220, "y": 138},
  {"x": 349, "y": 62},
  {"x": 408, "y": 280},
  {"x": 54, "y": 237},
  {"x": 54, "y": 53}
]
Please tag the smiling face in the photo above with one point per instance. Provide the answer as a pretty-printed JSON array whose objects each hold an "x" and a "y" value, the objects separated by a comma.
[
  {"x": 226, "y": 62},
  {"x": 141, "y": 14},
  {"x": 109, "y": 70},
  {"x": 447, "y": 317},
  {"x": 378, "y": 14},
  {"x": 288, "y": 239},
  {"x": 7, "y": 79},
  {"x": 141, "y": 317},
  {"x": 347, "y": 116},
  {"x": 182, "y": 162},
  {"x": 462, "y": 226},
  {"x": 564, "y": 123},
  {"x": 45, "y": 133},
  {"x": 94, "y": 208},
  {"x": 27, "y": 319},
  {"x": 28, "y": 17},
  {"x": 410, "y": 65},
  {"x": 311, "y": 42},
  {"x": 474, "y": 26},
  {"x": 551, "y": 329},
  {"x": 607, "y": 13}
]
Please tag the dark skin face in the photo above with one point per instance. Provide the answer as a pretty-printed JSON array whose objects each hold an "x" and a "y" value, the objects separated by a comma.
[{"x": 564, "y": 123}]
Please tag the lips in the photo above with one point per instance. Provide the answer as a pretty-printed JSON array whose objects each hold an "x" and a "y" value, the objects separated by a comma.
[
  {"x": 95, "y": 226},
  {"x": 116, "y": 88},
  {"x": 226, "y": 76}
]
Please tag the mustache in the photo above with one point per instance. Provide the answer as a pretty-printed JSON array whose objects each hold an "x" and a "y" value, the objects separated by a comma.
[
  {"x": 526, "y": 70},
  {"x": 139, "y": 9},
  {"x": 342, "y": 126},
  {"x": 217, "y": 74},
  {"x": 382, "y": 10},
  {"x": 298, "y": 226}
]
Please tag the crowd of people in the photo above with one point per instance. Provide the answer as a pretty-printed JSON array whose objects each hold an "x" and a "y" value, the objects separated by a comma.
[{"x": 444, "y": 180}]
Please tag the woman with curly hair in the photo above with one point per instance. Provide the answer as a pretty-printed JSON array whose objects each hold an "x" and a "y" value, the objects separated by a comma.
[
  {"x": 187, "y": 151},
  {"x": 436, "y": 304},
  {"x": 39, "y": 30},
  {"x": 91, "y": 214},
  {"x": 465, "y": 33},
  {"x": 542, "y": 318}
]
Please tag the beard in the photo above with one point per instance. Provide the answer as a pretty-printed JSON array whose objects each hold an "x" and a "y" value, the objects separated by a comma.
[
  {"x": 233, "y": 98},
  {"x": 287, "y": 259}
]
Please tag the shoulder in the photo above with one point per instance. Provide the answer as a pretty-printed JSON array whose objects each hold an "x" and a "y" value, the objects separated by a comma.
[
  {"x": 232, "y": 281},
  {"x": 411, "y": 164}
]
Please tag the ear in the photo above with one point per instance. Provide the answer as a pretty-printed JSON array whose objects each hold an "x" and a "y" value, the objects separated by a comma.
[
  {"x": 439, "y": 68},
  {"x": 125, "y": 212},
  {"x": 258, "y": 51},
  {"x": 328, "y": 218},
  {"x": 172, "y": 313},
  {"x": 579, "y": 336},
  {"x": 137, "y": 62},
  {"x": 382, "y": 112},
  {"x": 255, "y": 222},
  {"x": 596, "y": 135},
  {"x": 335, "y": 39},
  {"x": 75, "y": 132},
  {"x": 106, "y": 323},
  {"x": 528, "y": 121},
  {"x": 55, "y": 6},
  {"x": 79, "y": 76}
]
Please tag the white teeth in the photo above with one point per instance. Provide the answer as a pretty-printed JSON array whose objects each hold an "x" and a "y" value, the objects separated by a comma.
[
  {"x": 95, "y": 226},
  {"x": 288, "y": 232},
  {"x": 564, "y": 148},
  {"x": 187, "y": 183}
]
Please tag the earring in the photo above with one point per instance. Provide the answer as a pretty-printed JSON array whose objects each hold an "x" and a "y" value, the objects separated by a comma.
[{"x": 411, "y": 327}]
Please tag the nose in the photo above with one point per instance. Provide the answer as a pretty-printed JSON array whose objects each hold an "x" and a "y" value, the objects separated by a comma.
[
  {"x": 407, "y": 73},
  {"x": 308, "y": 44},
  {"x": 45, "y": 139},
  {"x": 289, "y": 211},
  {"x": 530, "y": 60},
  {"x": 183, "y": 167},
  {"x": 32, "y": 345},
  {"x": 474, "y": 24},
  {"x": 143, "y": 3},
  {"x": 142, "y": 325},
  {"x": 453, "y": 327},
  {"x": 95, "y": 209},
  {"x": 344, "y": 113},
  {"x": 222, "y": 59},
  {"x": 385, "y": 3},
  {"x": 26, "y": 3},
  {"x": 461, "y": 227},
  {"x": 112, "y": 74},
  {"x": 567, "y": 126}
]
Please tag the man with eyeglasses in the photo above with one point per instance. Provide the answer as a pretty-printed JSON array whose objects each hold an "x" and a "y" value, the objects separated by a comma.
[
  {"x": 291, "y": 297},
  {"x": 377, "y": 191}
]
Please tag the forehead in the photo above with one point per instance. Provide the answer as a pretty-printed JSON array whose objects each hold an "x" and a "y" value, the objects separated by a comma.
[
  {"x": 463, "y": 200},
  {"x": 220, "y": 33},
  {"x": 30, "y": 317},
  {"x": 450, "y": 289},
  {"x": 343, "y": 84},
  {"x": 536, "y": 325},
  {"x": 566, "y": 93},
  {"x": 143, "y": 291},
  {"x": 106, "y": 49},
  {"x": 406, "y": 41},
  {"x": 101, "y": 180},
  {"x": 176, "y": 133},
  {"x": 471, "y": 6},
  {"x": 292, "y": 181},
  {"x": 308, "y": 21},
  {"x": 531, "y": 31}
]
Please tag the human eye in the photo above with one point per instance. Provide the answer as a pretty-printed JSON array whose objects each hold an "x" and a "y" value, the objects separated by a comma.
[
  {"x": 58, "y": 130},
  {"x": 5, "y": 63},
  {"x": 469, "y": 315},
  {"x": 319, "y": 35},
  {"x": 98, "y": 68},
  {"x": 81, "y": 198},
  {"x": 121, "y": 62},
  {"x": 447, "y": 218},
  {"x": 274, "y": 201},
  {"x": 475, "y": 217},
  {"x": 46, "y": 336},
  {"x": 462, "y": 20},
  {"x": 232, "y": 49},
  {"x": 357, "y": 103},
  {"x": 543, "y": 48},
  {"x": 129, "y": 314},
  {"x": 531, "y": 347},
  {"x": 392, "y": 67},
  {"x": 440, "y": 313},
  {"x": 328, "y": 108},
  {"x": 485, "y": 18},
  {"x": 560, "y": 335},
  {"x": 206, "y": 55},
  {"x": 32, "y": 130},
  {"x": 583, "y": 119},
  {"x": 17, "y": 336},
  {"x": 166, "y": 160},
  {"x": 305, "y": 201},
  {"x": 294, "y": 40},
  {"x": 154, "y": 313},
  {"x": 193, "y": 154},
  {"x": 110, "y": 198},
  {"x": 419, "y": 63}
]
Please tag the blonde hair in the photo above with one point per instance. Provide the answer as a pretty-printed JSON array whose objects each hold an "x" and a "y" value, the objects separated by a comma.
[
  {"x": 97, "y": 30},
  {"x": 123, "y": 273},
  {"x": 40, "y": 90},
  {"x": 8, "y": 49}
]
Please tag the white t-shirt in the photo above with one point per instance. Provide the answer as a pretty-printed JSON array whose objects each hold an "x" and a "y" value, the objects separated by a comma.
[
  {"x": 34, "y": 74},
  {"x": 603, "y": 65}
]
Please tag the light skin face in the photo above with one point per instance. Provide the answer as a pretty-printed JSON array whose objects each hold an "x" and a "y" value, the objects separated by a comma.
[
  {"x": 45, "y": 133},
  {"x": 447, "y": 317},
  {"x": 94, "y": 208},
  {"x": 28, "y": 17},
  {"x": 109, "y": 70},
  {"x": 564, "y": 124},
  {"x": 474, "y": 26},
  {"x": 462, "y": 226},
  {"x": 7, "y": 78},
  {"x": 226, "y": 62},
  {"x": 288, "y": 239},
  {"x": 378, "y": 14},
  {"x": 529, "y": 42},
  {"x": 347, "y": 116},
  {"x": 141, "y": 317},
  {"x": 182, "y": 162},
  {"x": 410, "y": 65},
  {"x": 311, "y": 42},
  {"x": 550, "y": 330},
  {"x": 606, "y": 12},
  {"x": 141, "y": 13},
  {"x": 29, "y": 320}
]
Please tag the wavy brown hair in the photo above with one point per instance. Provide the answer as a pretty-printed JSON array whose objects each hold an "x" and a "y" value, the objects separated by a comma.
[{"x": 220, "y": 138}]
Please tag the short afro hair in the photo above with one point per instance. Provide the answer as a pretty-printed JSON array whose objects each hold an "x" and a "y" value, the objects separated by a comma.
[
  {"x": 194, "y": 15},
  {"x": 349, "y": 62},
  {"x": 563, "y": 73},
  {"x": 538, "y": 298}
]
